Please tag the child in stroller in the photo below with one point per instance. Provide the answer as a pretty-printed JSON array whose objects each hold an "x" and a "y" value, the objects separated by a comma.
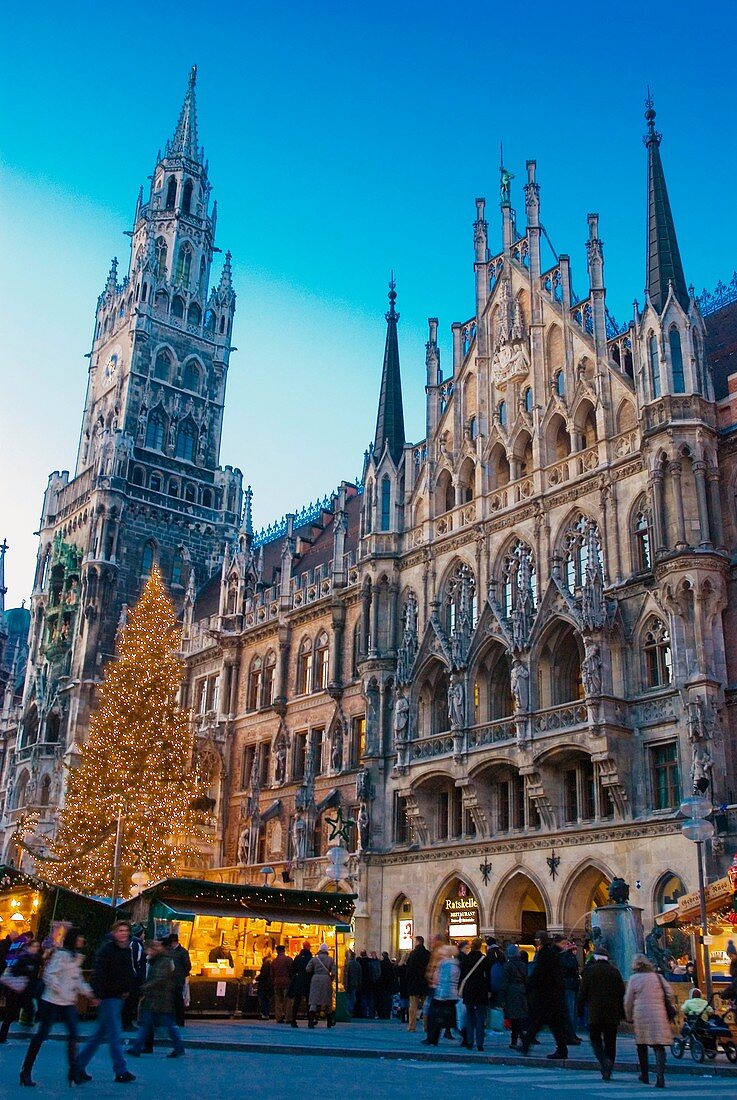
[{"x": 703, "y": 1031}]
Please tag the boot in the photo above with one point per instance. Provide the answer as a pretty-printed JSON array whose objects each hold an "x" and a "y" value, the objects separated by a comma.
[
  {"x": 331, "y": 1019},
  {"x": 642, "y": 1059},
  {"x": 33, "y": 1048},
  {"x": 312, "y": 1019},
  {"x": 659, "y": 1067}
]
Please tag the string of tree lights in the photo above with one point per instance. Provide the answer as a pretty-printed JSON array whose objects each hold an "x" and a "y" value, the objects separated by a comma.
[{"x": 136, "y": 765}]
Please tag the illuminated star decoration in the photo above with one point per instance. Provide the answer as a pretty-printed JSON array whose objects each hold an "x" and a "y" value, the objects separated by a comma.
[
  {"x": 553, "y": 862},
  {"x": 339, "y": 826},
  {"x": 485, "y": 869}
]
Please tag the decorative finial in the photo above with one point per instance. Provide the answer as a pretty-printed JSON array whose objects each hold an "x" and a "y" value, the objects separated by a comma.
[
  {"x": 505, "y": 189},
  {"x": 650, "y": 115},
  {"x": 193, "y": 76},
  {"x": 392, "y": 314}
]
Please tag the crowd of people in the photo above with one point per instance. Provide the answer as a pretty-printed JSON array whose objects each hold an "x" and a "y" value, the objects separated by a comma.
[
  {"x": 135, "y": 984},
  {"x": 454, "y": 990}
]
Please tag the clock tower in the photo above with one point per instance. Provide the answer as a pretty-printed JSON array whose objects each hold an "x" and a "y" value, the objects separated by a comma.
[{"x": 148, "y": 488}]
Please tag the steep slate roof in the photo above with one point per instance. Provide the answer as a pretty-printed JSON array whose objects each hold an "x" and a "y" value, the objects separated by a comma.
[
  {"x": 663, "y": 256},
  {"x": 721, "y": 346},
  {"x": 185, "y": 135},
  {"x": 390, "y": 419}
]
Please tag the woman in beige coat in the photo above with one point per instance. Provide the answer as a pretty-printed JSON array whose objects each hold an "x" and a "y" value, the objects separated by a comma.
[
  {"x": 321, "y": 967},
  {"x": 644, "y": 1007}
]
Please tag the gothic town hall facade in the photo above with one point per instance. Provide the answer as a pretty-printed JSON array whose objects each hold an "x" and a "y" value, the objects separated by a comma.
[{"x": 501, "y": 660}]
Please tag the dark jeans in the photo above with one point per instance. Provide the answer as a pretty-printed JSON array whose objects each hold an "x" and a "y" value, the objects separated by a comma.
[
  {"x": 108, "y": 1030},
  {"x": 539, "y": 1019},
  {"x": 440, "y": 1016},
  {"x": 518, "y": 1029},
  {"x": 604, "y": 1043},
  {"x": 297, "y": 1004},
  {"x": 179, "y": 1005},
  {"x": 130, "y": 1007},
  {"x": 264, "y": 1001},
  {"x": 383, "y": 1004},
  {"x": 368, "y": 1003},
  {"x": 475, "y": 1020},
  {"x": 48, "y": 1015},
  {"x": 13, "y": 1004},
  {"x": 148, "y": 1021}
]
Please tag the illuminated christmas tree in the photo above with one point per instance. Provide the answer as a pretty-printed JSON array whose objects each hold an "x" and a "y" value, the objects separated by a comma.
[{"x": 136, "y": 763}]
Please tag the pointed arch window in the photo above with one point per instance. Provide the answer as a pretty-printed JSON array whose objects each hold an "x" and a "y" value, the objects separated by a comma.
[
  {"x": 194, "y": 314},
  {"x": 162, "y": 367},
  {"x": 519, "y": 580},
  {"x": 304, "y": 667},
  {"x": 501, "y": 413},
  {"x": 209, "y": 320},
  {"x": 386, "y": 503},
  {"x": 186, "y": 441},
  {"x": 676, "y": 361},
  {"x": 267, "y": 696},
  {"x": 322, "y": 663},
  {"x": 184, "y": 266},
  {"x": 147, "y": 559},
  {"x": 177, "y": 306},
  {"x": 560, "y": 384},
  {"x": 654, "y": 357},
  {"x": 177, "y": 568},
  {"x": 255, "y": 682},
  {"x": 161, "y": 254},
  {"x": 171, "y": 193},
  {"x": 642, "y": 531},
  {"x": 527, "y": 399},
  {"x": 658, "y": 657},
  {"x": 156, "y": 430},
  {"x": 581, "y": 539},
  {"x": 191, "y": 376},
  {"x": 461, "y": 600},
  {"x": 368, "y": 510},
  {"x": 187, "y": 197}
]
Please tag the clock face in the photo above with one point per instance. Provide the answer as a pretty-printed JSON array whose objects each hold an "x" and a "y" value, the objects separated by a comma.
[{"x": 110, "y": 371}]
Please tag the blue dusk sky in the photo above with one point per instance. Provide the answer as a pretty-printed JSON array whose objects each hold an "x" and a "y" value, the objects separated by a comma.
[{"x": 344, "y": 140}]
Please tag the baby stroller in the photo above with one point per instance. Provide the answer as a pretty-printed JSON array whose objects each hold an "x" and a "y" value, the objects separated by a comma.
[{"x": 703, "y": 1035}]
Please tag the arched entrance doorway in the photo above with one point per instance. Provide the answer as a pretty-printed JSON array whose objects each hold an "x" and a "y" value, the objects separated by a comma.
[
  {"x": 403, "y": 926},
  {"x": 587, "y": 889},
  {"x": 457, "y": 913},
  {"x": 521, "y": 910}
]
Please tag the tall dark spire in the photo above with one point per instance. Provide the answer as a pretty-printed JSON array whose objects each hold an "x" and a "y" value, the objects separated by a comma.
[
  {"x": 185, "y": 135},
  {"x": 663, "y": 257},
  {"x": 390, "y": 420}
]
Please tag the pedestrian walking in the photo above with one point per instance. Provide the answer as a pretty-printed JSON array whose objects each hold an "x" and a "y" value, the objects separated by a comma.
[
  {"x": 299, "y": 989},
  {"x": 473, "y": 989},
  {"x": 112, "y": 981},
  {"x": 351, "y": 982},
  {"x": 602, "y": 993},
  {"x": 281, "y": 975},
  {"x": 63, "y": 985},
  {"x": 321, "y": 971},
  {"x": 649, "y": 1007},
  {"x": 386, "y": 987},
  {"x": 400, "y": 972},
  {"x": 158, "y": 1001},
  {"x": 417, "y": 963},
  {"x": 138, "y": 960},
  {"x": 547, "y": 998},
  {"x": 265, "y": 986},
  {"x": 513, "y": 993},
  {"x": 445, "y": 994},
  {"x": 182, "y": 968},
  {"x": 19, "y": 982},
  {"x": 572, "y": 982}
]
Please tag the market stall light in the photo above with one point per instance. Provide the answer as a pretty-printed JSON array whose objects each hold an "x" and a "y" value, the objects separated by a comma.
[{"x": 18, "y": 917}]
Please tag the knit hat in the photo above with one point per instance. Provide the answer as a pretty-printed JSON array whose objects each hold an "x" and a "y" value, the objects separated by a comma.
[{"x": 323, "y": 949}]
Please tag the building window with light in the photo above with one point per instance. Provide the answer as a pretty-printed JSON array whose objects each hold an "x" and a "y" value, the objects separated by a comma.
[
  {"x": 322, "y": 663},
  {"x": 304, "y": 667},
  {"x": 658, "y": 657}
]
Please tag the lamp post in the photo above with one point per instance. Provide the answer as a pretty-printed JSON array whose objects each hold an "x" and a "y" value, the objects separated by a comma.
[{"x": 696, "y": 809}]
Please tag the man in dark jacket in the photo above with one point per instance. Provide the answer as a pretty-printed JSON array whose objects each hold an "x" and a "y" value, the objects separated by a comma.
[
  {"x": 299, "y": 989},
  {"x": 602, "y": 992},
  {"x": 572, "y": 981},
  {"x": 112, "y": 981},
  {"x": 138, "y": 961},
  {"x": 158, "y": 998},
  {"x": 473, "y": 989},
  {"x": 547, "y": 997},
  {"x": 417, "y": 961},
  {"x": 281, "y": 974},
  {"x": 182, "y": 967}
]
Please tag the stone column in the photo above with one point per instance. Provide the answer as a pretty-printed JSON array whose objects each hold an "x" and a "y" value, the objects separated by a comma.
[
  {"x": 656, "y": 488},
  {"x": 675, "y": 473},
  {"x": 712, "y": 475},
  {"x": 699, "y": 469}
]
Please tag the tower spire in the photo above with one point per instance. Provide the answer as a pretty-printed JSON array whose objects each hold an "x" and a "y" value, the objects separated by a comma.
[
  {"x": 390, "y": 419},
  {"x": 185, "y": 135},
  {"x": 663, "y": 256}
]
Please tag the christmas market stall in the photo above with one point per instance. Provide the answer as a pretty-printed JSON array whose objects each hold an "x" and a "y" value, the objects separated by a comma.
[
  {"x": 230, "y": 929},
  {"x": 683, "y": 920},
  {"x": 29, "y": 904}
]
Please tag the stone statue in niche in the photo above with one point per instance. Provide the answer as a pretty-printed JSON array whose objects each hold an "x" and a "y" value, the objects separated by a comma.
[
  {"x": 591, "y": 668},
  {"x": 456, "y": 704},
  {"x": 336, "y": 748},
  {"x": 363, "y": 822},
  {"x": 401, "y": 717},
  {"x": 519, "y": 679},
  {"x": 299, "y": 837}
]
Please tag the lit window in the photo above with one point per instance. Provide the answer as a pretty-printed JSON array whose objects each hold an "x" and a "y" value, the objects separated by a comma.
[
  {"x": 666, "y": 782},
  {"x": 658, "y": 659}
]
